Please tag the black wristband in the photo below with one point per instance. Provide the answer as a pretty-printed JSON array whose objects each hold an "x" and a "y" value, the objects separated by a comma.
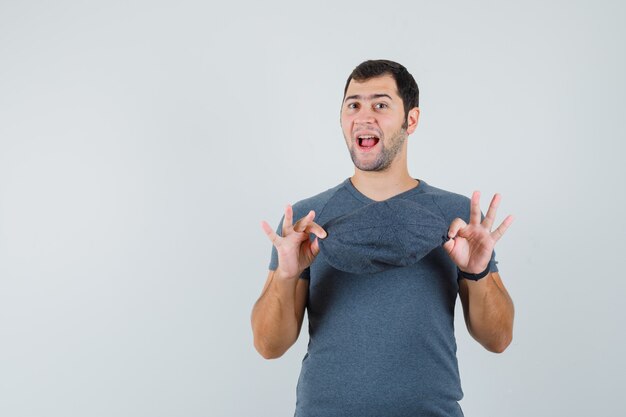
[{"x": 473, "y": 277}]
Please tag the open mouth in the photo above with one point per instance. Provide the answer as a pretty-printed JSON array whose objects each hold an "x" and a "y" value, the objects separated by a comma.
[{"x": 367, "y": 141}]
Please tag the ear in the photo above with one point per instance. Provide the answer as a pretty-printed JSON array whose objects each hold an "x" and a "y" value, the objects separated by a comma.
[{"x": 412, "y": 118}]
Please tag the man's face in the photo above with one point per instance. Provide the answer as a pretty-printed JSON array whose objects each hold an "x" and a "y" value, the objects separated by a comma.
[{"x": 372, "y": 119}]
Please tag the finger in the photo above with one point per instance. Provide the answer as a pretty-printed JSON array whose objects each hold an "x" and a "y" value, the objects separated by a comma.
[
  {"x": 490, "y": 217},
  {"x": 315, "y": 247},
  {"x": 475, "y": 208},
  {"x": 304, "y": 222},
  {"x": 269, "y": 231},
  {"x": 317, "y": 230},
  {"x": 288, "y": 219},
  {"x": 449, "y": 245},
  {"x": 499, "y": 232},
  {"x": 456, "y": 225}
]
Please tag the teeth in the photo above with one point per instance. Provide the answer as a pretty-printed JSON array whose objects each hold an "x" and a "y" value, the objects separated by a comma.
[{"x": 366, "y": 137}]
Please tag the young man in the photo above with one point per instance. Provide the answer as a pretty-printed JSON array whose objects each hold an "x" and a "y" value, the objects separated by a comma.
[{"x": 380, "y": 318}]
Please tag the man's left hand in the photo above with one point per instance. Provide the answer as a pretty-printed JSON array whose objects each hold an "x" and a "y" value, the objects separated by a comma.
[{"x": 471, "y": 245}]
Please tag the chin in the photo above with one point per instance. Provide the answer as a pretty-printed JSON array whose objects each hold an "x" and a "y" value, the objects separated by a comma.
[{"x": 374, "y": 167}]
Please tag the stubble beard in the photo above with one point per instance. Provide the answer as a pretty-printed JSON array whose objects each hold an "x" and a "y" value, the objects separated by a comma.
[{"x": 385, "y": 156}]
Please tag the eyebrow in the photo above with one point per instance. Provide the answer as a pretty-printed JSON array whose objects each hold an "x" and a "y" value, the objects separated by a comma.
[{"x": 370, "y": 97}]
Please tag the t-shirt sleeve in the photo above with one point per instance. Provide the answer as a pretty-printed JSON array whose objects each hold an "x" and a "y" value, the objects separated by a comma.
[
  {"x": 274, "y": 255},
  {"x": 493, "y": 264}
]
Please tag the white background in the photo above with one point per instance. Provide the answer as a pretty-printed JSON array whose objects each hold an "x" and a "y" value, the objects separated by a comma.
[{"x": 142, "y": 142}]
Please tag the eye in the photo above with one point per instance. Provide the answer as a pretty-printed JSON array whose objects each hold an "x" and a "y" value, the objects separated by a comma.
[
  {"x": 352, "y": 106},
  {"x": 380, "y": 106}
]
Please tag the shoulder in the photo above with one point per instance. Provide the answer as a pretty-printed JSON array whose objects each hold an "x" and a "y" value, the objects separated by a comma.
[
  {"x": 451, "y": 205},
  {"x": 316, "y": 202}
]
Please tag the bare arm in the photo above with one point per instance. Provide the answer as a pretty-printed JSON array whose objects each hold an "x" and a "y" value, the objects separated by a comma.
[
  {"x": 278, "y": 314},
  {"x": 488, "y": 311},
  {"x": 487, "y": 306}
]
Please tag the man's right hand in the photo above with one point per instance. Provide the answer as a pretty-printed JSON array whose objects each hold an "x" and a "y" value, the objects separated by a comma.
[{"x": 295, "y": 250}]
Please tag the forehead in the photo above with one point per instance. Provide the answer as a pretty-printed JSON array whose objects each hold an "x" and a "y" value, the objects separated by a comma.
[{"x": 385, "y": 84}]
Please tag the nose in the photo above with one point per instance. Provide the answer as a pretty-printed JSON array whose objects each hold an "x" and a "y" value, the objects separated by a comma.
[{"x": 365, "y": 116}]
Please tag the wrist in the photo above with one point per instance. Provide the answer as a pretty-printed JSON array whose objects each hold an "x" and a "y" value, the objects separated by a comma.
[{"x": 285, "y": 276}]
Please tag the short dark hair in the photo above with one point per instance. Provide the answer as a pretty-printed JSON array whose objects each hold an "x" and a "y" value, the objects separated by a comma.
[{"x": 405, "y": 83}]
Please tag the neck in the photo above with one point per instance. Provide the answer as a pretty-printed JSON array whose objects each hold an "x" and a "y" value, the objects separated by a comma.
[{"x": 381, "y": 185}]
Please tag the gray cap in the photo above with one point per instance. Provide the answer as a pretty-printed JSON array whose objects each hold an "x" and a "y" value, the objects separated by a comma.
[{"x": 382, "y": 235}]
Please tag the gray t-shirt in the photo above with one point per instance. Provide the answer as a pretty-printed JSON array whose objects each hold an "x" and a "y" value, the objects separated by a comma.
[{"x": 381, "y": 344}]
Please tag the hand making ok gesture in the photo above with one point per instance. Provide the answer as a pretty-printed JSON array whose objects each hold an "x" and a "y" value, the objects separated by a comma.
[
  {"x": 470, "y": 245},
  {"x": 295, "y": 250}
]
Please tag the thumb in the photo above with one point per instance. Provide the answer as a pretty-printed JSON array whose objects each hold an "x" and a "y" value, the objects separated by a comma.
[{"x": 464, "y": 232}]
